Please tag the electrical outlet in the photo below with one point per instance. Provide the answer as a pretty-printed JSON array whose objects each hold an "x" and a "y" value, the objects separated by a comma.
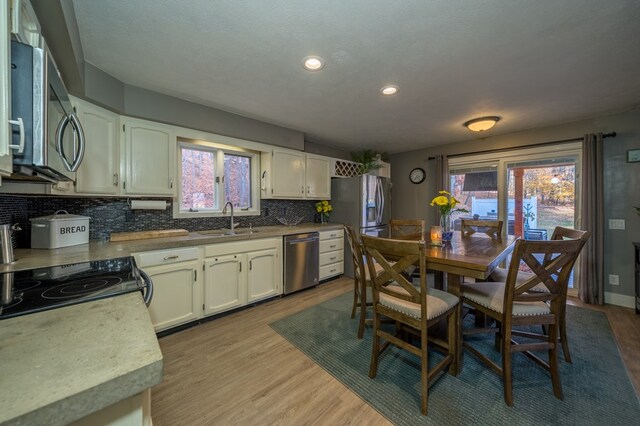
[
  {"x": 614, "y": 279},
  {"x": 616, "y": 224}
]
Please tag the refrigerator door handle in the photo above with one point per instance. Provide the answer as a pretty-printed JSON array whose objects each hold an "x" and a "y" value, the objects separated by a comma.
[
  {"x": 379, "y": 201},
  {"x": 382, "y": 201}
]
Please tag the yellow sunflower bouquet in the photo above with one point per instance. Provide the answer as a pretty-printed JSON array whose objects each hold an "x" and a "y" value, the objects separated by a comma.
[
  {"x": 447, "y": 203},
  {"x": 324, "y": 209}
]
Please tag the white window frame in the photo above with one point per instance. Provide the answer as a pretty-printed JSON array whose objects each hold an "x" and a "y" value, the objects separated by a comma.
[{"x": 219, "y": 150}]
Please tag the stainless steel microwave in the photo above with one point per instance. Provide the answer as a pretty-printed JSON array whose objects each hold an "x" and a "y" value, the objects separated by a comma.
[{"x": 47, "y": 137}]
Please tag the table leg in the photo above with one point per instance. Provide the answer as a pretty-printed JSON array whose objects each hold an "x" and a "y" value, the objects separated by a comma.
[
  {"x": 453, "y": 287},
  {"x": 438, "y": 280}
]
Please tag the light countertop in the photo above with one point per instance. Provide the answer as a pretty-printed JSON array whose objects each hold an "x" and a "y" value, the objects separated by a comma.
[
  {"x": 97, "y": 250},
  {"x": 60, "y": 365}
]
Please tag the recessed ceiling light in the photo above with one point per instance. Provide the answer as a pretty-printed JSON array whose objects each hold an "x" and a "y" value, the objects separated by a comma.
[
  {"x": 389, "y": 90},
  {"x": 481, "y": 124},
  {"x": 313, "y": 63}
]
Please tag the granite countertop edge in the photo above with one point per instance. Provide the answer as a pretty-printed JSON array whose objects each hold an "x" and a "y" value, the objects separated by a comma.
[
  {"x": 45, "y": 390},
  {"x": 99, "y": 250}
]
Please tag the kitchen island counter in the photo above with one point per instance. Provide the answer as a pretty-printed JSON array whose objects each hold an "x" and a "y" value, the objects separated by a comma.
[
  {"x": 64, "y": 364},
  {"x": 98, "y": 250}
]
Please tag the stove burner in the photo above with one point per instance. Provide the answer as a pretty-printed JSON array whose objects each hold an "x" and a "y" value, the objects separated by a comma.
[
  {"x": 79, "y": 288},
  {"x": 22, "y": 285}
]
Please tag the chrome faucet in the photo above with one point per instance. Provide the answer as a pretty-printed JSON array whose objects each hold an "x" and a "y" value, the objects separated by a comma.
[{"x": 224, "y": 211}]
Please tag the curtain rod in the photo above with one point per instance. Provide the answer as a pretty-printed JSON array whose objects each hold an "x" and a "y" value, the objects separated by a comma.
[{"x": 605, "y": 135}]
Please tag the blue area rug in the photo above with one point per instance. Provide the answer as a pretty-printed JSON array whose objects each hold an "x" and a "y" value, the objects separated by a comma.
[{"x": 597, "y": 389}]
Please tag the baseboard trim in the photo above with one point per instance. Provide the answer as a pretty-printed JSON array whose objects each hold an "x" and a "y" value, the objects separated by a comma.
[{"x": 619, "y": 300}]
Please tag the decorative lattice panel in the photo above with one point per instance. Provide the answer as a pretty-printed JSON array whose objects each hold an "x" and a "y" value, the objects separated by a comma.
[{"x": 344, "y": 168}]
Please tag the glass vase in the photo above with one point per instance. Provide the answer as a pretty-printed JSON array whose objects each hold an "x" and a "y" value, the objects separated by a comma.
[{"x": 447, "y": 228}]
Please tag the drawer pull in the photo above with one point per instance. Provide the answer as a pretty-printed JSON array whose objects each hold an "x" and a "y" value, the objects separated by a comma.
[
  {"x": 332, "y": 270},
  {"x": 332, "y": 258},
  {"x": 171, "y": 257},
  {"x": 333, "y": 246}
]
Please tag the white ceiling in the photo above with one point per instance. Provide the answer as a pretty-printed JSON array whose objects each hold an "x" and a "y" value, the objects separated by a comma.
[{"x": 533, "y": 63}]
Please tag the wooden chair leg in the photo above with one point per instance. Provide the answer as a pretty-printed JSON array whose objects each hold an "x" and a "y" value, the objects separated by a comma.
[
  {"x": 363, "y": 312},
  {"x": 553, "y": 362},
  {"x": 375, "y": 347},
  {"x": 454, "y": 330},
  {"x": 507, "y": 379},
  {"x": 563, "y": 335},
  {"x": 424, "y": 371},
  {"x": 355, "y": 299}
]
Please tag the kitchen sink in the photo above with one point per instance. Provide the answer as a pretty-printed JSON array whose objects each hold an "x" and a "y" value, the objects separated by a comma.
[{"x": 221, "y": 233}]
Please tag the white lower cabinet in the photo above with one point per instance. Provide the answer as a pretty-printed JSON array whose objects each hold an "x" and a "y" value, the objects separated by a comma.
[
  {"x": 177, "y": 285},
  {"x": 264, "y": 277},
  {"x": 331, "y": 253},
  {"x": 232, "y": 275},
  {"x": 241, "y": 272},
  {"x": 225, "y": 286}
]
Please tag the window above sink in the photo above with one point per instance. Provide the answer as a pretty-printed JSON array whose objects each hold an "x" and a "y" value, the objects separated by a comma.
[{"x": 212, "y": 174}]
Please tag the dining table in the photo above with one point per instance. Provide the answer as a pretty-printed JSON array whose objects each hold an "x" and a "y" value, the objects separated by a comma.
[{"x": 474, "y": 256}]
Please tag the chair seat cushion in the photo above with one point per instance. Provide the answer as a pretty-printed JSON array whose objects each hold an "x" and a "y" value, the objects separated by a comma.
[
  {"x": 491, "y": 295},
  {"x": 438, "y": 302},
  {"x": 500, "y": 275}
]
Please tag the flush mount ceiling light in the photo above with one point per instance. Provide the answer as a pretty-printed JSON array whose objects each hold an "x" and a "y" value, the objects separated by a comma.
[
  {"x": 313, "y": 63},
  {"x": 389, "y": 90},
  {"x": 481, "y": 124}
]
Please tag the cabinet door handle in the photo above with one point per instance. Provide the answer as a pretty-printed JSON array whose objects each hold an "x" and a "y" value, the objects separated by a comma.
[
  {"x": 18, "y": 122},
  {"x": 250, "y": 264},
  {"x": 171, "y": 257},
  {"x": 171, "y": 183},
  {"x": 115, "y": 179},
  {"x": 240, "y": 265},
  {"x": 195, "y": 276}
]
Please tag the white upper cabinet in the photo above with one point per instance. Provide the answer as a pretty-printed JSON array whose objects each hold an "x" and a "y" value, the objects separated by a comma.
[
  {"x": 287, "y": 174},
  {"x": 293, "y": 174},
  {"x": 318, "y": 177},
  {"x": 99, "y": 172},
  {"x": 149, "y": 158},
  {"x": 5, "y": 91}
]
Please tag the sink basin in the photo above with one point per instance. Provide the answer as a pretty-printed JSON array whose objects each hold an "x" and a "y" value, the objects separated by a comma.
[
  {"x": 220, "y": 233},
  {"x": 246, "y": 231},
  {"x": 215, "y": 233}
]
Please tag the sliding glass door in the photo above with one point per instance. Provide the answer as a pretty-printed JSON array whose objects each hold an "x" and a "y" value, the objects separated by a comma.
[{"x": 531, "y": 190}]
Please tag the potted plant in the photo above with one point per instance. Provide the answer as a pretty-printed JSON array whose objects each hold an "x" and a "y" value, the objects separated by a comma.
[{"x": 369, "y": 160}]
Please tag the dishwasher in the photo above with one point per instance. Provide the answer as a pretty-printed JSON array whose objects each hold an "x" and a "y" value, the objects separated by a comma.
[{"x": 301, "y": 261}]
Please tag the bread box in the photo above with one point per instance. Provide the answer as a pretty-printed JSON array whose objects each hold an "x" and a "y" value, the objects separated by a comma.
[{"x": 60, "y": 229}]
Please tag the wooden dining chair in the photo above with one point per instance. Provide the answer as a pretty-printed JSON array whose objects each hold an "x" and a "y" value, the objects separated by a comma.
[
  {"x": 559, "y": 233},
  {"x": 513, "y": 305},
  {"x": 361, "y": 279},
  {"x": 413, "y": 309},
  {"x": 492, "y": 228},
  {"x": 407, "y": 229}
]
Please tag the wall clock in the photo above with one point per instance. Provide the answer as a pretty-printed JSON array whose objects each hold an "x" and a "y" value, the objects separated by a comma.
[{"x": 417, "y": 175}]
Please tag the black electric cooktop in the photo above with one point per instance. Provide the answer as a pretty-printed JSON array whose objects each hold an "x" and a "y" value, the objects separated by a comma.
[{"x": 35, "y": 290}]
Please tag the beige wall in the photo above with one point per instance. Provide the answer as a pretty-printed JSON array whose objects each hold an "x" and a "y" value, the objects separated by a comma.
[{"x": 621, "y": 180}]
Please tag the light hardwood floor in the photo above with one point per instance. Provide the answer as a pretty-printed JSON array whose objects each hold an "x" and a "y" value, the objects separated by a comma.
[{"x": 237, "y": 370}]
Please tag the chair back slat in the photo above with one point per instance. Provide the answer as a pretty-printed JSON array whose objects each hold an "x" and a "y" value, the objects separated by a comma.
[
  {"x": 395, "y": 256},
  {"x": 492, "y": 228},
  {"x": 357, "y": 253},
  {"x": 407, "y": 229},
  {"x": 554, "y": 274}
]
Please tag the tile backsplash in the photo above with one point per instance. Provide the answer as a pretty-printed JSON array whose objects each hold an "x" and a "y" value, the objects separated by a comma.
[{"x": 114, "y": 215}]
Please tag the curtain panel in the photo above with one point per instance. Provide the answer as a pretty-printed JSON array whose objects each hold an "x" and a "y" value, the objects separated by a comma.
[{"x": 592, "y": 210}]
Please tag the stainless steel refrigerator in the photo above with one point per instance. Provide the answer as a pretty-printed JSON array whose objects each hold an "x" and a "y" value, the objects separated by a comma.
[{"x": 364, "y": 203}]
